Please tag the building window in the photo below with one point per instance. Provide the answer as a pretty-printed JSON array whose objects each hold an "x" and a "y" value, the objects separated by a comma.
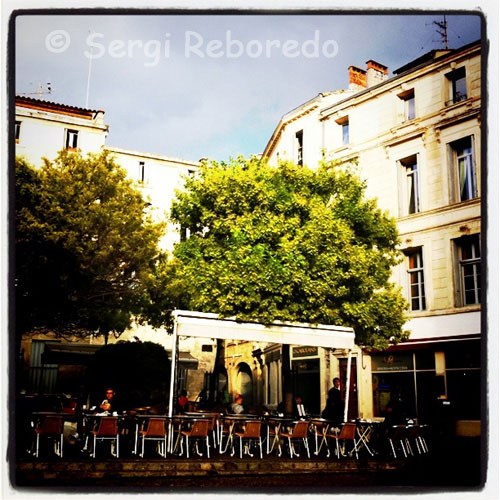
[
  {"x": 410, "y": 192},
  {"x": 463, "y": 174},
  {"x": 408, "y": 101},
  {"x": 416, "y": 280},
  {"x": 142, "y": 171},
  {"x": 299, "y": 141},
  {"x": 71, "y": 140},
  {"x": 17, "y": 131},
  {"x": 469, "y": 269},
  {"x": 343, "y": 122},
  {"x": 345, "y": 133},
  {"x": 457, "y": 86}
]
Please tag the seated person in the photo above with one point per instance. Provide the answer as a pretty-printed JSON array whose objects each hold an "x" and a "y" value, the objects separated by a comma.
[
  {"x": 111, "y": 403},
  {"x": 299, "y": 409},
  {"x": 237, "y": 407},
  {"x": 182, "y": 402}
]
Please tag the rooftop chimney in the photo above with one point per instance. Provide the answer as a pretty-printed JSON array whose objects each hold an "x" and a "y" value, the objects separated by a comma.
[
  {"x": 357, "y": 78},
  {"x": 375, "y": 73}
]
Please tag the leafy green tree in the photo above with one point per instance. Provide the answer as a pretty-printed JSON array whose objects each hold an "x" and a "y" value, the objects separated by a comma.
[
  {"x": 86, "y": 246},
  {"x": 139, "y": 372},
  {"x": 289, "y": 243}
]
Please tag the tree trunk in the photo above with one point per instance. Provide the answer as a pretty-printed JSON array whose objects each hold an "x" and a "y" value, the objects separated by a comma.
[
  {"x": 219, "y": 366},
  {"x": 287, "y": 379}
]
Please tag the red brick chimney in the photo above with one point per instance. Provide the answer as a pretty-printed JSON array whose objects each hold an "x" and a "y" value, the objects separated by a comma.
[
  {"x": 375, "y": 73},
  {"x": 357, "y": 78}
]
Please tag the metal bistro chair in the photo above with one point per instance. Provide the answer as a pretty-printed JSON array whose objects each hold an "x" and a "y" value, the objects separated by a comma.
[
  {"x": 298, "y": 433},
  {"x": 414, "y": 433},
  {"x": 347, "y": 433},
  {"x": 197, "y": 432},
  {"x": 398, "y": 435},
  {"x": 154, "y": 430},
  {"x": 320, "y": 430},
  {"x": 107, "y": 430},
  {"x": 250, "y": 435},
  {"x": 51, "y": 427}
]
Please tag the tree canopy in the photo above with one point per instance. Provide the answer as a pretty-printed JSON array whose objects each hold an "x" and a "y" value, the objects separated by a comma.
[
  {"x": 86, "y": 246},
  {"x": 289, "y": 243},
  {"x": 138, "y": 371}
]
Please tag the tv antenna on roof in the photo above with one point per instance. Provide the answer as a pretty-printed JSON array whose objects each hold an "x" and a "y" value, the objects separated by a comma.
[
  {"x": 443, "y": 31},
  {"x": 40, "y": 91}
]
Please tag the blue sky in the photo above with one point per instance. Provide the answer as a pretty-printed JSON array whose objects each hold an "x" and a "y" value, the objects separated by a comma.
[{"x": 164, "y": 92}]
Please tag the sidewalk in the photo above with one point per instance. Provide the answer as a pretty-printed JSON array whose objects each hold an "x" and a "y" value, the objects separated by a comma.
[{"x": 456, "y": 467}]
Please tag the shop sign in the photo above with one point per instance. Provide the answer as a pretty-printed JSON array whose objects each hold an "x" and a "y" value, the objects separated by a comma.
[
  {"x": 392, "y": 362},
  {"x": 304, "y": 351}
]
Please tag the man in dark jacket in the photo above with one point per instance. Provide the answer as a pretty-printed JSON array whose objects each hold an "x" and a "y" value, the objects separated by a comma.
[{"x": 334, "y": 409}]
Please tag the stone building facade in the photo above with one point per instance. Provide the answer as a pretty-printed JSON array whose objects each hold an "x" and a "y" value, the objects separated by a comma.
[{"x": 416, "y": 138}]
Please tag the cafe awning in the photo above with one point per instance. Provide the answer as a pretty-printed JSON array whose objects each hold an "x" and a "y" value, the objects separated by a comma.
[{"x": 209, "y": 325}]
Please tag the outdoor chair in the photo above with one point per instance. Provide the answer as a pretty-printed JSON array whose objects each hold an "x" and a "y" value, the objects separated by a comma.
[
  {"x": 155, "y": 431},
  {"x": 197, "y": 432},
  {"x": 398, "y": 437},
  {"x": 298, "y": 433},
  {"x": 52, "y": 428},
  {"x": 107, "y": 430},
  {"x": 347, "y": 433},
  {"x": 320, "y": 430},
  {"x": 250, "y": 435}
]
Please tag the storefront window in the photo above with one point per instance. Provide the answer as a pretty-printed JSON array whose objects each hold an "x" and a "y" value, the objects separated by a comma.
[
  {"x": 425, "y": 360},
  {"x": 464, "y": 393},
  {"x": 396, "y": 389}
]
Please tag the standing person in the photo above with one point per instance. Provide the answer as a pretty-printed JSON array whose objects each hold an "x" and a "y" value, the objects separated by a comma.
[{"x": 334, "y": 409}]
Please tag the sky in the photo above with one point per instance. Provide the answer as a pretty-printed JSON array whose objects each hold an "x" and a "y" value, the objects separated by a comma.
[{"x": 210, "y": 86}]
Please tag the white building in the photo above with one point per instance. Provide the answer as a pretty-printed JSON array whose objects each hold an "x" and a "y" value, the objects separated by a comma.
[
  {"x": 42, "y": 129},
  {"x": 417, "y": 140}
]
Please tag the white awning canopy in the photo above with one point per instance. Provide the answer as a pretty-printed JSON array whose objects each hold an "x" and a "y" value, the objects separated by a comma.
[{"x": 208, "y": 325}]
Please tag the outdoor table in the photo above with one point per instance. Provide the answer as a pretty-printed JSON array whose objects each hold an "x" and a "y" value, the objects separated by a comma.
[
  {"x": 37, "y": 416},
  {"x": 210, "y": 414},
  {"x": 277, "y": 422},
  {"x": 140, "y": 419},
  {"x": 323, "y": 425},
  {"x": 90, "y": 420},
  {"x": 364, "y": 431},
  {"x": 180, "y": 420},
  {"x": 232, "y": 421}
]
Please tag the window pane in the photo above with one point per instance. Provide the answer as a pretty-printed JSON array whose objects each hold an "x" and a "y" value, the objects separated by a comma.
[
  {"x": 425, "y": 360},
  {"x": 459, "y": 89},
  {"x": 396, "y": 389},
  {"x": 464, "y": 354},
  {"x": 410, "y": 108},
  {"x": 462, "y": 382},
  {"x": 345, "y": 133}
]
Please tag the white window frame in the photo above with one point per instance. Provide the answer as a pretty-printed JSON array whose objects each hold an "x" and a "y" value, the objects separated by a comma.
[
  {"x": 71, "y": 136},
  {"x": 417, "y": 271},
  {"x": 406, "y": 97},
  {"x": 465, "y": 175},
  {"x": 142, "y": 171},
  {"x": 453, "y": 77},
  {"x": 474, "y": 263},
  {"x": 409, "y": 176},
  {"x": 299, "y": 147},
  {"x": 17, "y": 131}
]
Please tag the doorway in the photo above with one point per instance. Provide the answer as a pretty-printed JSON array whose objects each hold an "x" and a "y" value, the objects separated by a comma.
[{"x": 306, "y": 383}]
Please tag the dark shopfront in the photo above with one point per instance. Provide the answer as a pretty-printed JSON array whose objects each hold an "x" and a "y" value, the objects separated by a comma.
[{"x": 413, "y": 380}]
